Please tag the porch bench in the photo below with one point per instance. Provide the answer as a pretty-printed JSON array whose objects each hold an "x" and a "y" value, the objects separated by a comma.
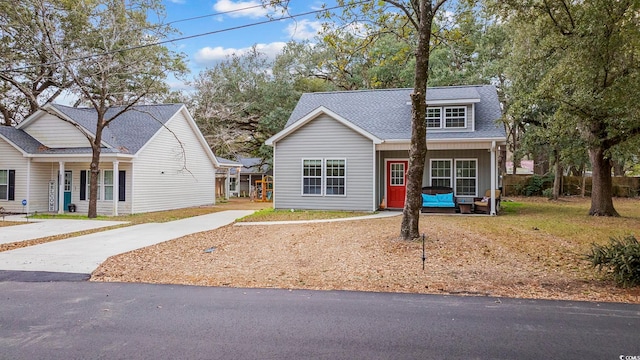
[{"x": 437, "y": 199}]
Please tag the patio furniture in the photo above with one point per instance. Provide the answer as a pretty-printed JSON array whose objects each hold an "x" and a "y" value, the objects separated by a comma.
[{"x": 483, "y": 205}]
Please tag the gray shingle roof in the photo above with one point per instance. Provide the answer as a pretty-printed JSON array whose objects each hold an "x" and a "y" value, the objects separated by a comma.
[
  {"x": 21, "y": 139},
  {"x": 127, "y": 134},
  {"x": 386, "y": 114},
  {"x": 131, "y": 130}
]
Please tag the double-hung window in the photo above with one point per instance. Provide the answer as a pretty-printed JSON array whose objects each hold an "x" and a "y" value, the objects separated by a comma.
[
  {"x": 448, "y": 117},
  {"x": 108, "y": 184},
  {"x": 434, "y": 117},
  {"x": 441, "y": 173},
  {"x": 336, "y": 177},
  {"x": 466, "y": 177},
  {"x": 105, "y": 185},
  {"x": 324, "y": 177},
  {"x": 455, "y": 117},
  {"x": 312, "y": 177},
  {"x": 4, "y": 184}
]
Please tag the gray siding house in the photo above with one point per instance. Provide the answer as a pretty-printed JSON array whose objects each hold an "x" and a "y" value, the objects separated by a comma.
[
  {"x": 153, "y": 158},
  {"x": 349, "y": 150}
]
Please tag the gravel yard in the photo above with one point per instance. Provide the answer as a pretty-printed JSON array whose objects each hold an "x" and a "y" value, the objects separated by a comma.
[{"x": 463, "y": 257}]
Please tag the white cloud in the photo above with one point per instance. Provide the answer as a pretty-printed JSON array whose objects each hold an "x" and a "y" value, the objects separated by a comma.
[
  {"x": 304, "y": 29},
  {"x": 252, "y": 9},
  {"x": 209, "y": 55}
]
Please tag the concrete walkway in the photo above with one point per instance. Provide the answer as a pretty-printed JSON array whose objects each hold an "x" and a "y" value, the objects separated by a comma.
[
  {"x": 39, "y": 228},
  {"x": 83, "y": 254}
]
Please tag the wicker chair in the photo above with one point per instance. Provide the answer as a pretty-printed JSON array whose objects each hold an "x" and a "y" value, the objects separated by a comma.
[{"x": 483, "y": 205}]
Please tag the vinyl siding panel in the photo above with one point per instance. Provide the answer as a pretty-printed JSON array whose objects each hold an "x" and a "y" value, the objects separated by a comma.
[
  {"x": 164, "y": 178},
  {"x": 56, "y": 133},
  {"x": 12, "y": 159},
  {"x": 41, "y": 174},
  {"x": 324, "y": 138}
]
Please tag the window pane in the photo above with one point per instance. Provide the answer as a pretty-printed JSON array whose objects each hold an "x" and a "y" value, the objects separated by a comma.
[
  {"x": 433, "y": 117},
  {"x": 441, "y": 173},
  {"x": 312, "y": 177},
  {"x": 4, "y": 185},
  {"x": 455, "y": 117},
  {"x": 108, "y": 184},
  {"x": 335, "y": 177},
  {"x": 397, "y": 174},
  {"x": 466, "y": 177}
]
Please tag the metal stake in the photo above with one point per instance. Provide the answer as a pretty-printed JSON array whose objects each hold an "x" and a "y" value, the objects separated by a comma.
[{"x": 424, "y": 257}]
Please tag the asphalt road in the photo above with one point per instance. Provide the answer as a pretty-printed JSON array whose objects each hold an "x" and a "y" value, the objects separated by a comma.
[{"x": 84, "y": 320}]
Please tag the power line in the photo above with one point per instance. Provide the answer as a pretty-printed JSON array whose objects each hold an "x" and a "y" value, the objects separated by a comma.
[{"x": 289, "y": 16}]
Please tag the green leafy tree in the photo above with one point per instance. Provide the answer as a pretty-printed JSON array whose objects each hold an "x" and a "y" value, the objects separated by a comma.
[
  {"x": 589, "y": 51},
  {"x": 108, "y": 54},
  {"x": 29, "y": 76},
  {"x": 245, "y": 99}
]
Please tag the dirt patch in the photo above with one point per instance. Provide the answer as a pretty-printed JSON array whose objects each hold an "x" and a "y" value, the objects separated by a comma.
[{"x": 366, "y": 255}]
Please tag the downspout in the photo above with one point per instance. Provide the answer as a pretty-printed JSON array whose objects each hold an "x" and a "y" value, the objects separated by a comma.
[
  {"x": 493, "y": 178},
  {"x": 61, "y": 187},
  {"x": 373, "y": 182}
]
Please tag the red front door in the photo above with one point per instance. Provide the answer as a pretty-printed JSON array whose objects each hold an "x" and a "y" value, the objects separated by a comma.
[{"x": 396, "y": 183}]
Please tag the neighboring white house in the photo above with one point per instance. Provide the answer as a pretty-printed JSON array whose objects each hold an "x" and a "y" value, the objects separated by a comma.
[
  {"x": 349, "y": 150},
  {"x": 153, "y": 158}
]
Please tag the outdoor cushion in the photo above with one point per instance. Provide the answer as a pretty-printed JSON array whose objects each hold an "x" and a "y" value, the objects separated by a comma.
[
  {"x": 438, "y": 200},
  {"x": 445, "y": 197}
]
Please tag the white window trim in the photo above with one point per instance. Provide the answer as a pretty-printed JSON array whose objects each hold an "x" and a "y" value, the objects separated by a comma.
[
  {"x": 323, "y": 184},
  {"x": 455, "y": 175},
  {"x": 444, "y": 118},
  {"x": 104, "y": 186},
  {"x": 324, "y": 175},
  {"x": 451, "y": 168},
  {"x": 101, "y": 186},
  {"x": 302, "y": 177},
  {"x": 441, "y": 116}
]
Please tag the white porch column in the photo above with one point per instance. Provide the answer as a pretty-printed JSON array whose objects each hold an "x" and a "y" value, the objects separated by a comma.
[
  {"x": 116, "y": 187},
  {"x": 227, "y": 189},
  {"x": 493, "y": 177},
  {"x": 28, "y": 198},
  {"x": 61, "y": 187}
]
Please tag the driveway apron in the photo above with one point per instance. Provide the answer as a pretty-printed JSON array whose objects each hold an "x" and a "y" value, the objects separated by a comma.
[{"x": 83, "y": 254}]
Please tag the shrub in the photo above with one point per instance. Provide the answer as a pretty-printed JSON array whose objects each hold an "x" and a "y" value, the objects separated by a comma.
[
  {"x": 548, "y": 193},
  {"x": 536, "y": 184},
  {"x": 621, "y": 257}
]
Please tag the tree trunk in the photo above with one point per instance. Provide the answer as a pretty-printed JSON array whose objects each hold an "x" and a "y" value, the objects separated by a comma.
[
  {"x": 618, "y": 168},
  {"x": 410, "y": 228},
  {"x": 93, "y": 182},
  {"x": 601, "y": 187},
  {"x": 557, "y": 180},
  {"x": 95, "y": 165}
]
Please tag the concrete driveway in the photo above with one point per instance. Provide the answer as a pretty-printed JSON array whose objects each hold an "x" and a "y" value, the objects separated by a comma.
[{"x": 83, "y": 254}]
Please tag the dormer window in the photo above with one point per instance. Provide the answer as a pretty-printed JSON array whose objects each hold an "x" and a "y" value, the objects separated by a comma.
[
  {"x": 434, "y": 117},
  {"x": 448, "y": 117}
]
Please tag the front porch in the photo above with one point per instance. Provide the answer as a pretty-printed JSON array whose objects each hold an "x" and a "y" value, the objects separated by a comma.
[{"x": 469, "y": 170}]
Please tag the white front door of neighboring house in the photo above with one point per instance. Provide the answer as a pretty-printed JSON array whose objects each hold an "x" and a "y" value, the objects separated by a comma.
[{"x": 396, "y": 180}]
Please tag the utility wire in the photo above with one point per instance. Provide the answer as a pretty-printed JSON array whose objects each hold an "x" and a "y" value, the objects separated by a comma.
[{"x": 289, "y": 16}]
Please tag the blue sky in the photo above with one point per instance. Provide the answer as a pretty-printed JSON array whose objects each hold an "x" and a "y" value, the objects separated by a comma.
[{"x": 205, "y": 51}]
